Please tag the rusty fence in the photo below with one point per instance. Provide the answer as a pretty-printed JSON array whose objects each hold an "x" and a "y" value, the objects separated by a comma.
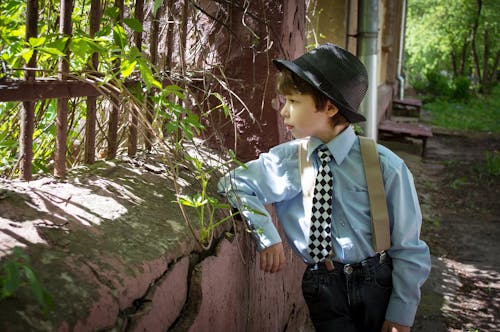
[
  {"x": 31, "y": 90},
  {"x": 175, "y": 27}
]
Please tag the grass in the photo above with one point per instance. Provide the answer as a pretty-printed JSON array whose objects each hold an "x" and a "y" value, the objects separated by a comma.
[{"x": 477, "y": 113}]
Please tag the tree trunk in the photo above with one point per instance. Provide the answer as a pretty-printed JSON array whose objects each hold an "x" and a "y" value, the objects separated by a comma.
[
  {"x": 486, "y": 79},
  {"x": 463, "y": 58},
  {"x": 473, "y": 40},
  {"x": 453, "y": 55}
]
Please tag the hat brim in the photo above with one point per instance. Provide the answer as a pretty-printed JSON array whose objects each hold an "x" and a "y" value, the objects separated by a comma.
[{"x": 351, "y": 115}]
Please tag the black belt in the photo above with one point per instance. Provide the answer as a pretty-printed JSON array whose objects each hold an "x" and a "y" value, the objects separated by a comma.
[{"x": 349, "y": 268}]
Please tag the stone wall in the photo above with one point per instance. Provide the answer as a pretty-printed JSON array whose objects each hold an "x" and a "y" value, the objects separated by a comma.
[
  {"x": 114, "y": 251},
  {"x": 112, "y": 247}
]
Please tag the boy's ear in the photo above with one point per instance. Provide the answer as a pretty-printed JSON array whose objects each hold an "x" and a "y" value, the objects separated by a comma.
[{"x": 331, "y": 109}]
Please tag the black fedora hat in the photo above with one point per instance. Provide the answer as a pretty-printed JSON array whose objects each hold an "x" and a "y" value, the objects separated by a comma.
[{"x": 335, "y": 72}]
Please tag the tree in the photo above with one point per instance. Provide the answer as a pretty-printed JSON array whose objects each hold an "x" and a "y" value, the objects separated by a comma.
[{"x": 460, "y": 38}]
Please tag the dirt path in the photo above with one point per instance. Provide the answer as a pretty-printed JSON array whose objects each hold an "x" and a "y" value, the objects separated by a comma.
[{"x": 461, "y": 209}]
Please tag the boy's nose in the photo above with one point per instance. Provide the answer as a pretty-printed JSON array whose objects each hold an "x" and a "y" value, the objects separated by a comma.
[{"x": 284, "y": 111}]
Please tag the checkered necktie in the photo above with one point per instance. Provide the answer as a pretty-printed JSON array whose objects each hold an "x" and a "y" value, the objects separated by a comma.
[{"x": 320, "y": 238}]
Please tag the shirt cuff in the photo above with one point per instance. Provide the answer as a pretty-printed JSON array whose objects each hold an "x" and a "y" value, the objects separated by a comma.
[
  {"x": 263, "y": 230},
  {"x": 401, "y": 312}
]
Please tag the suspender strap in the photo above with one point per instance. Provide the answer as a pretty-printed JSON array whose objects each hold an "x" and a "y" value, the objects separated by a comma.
[
  {"x": 376, "y": 194},
  {"x": 307, "y": 178},
  {"x": 375, "y": 184}
]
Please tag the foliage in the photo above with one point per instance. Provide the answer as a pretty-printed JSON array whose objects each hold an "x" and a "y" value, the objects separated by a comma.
[
  {"x": 493, "y": 162},
  {"x": 450, "y": 37},
  {"x": 439, "y": 84},
  {"x": 125, "y": 71},
  {"x": 16, "y": 273},
  {"x": 205, "y": 205},
  {"x": 478, "y": 113}
]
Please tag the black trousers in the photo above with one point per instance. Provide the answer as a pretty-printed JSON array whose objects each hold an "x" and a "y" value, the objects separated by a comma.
[{"x": 349, "y": 298}]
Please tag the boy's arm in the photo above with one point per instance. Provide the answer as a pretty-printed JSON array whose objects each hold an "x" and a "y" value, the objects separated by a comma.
[
  {"x": 410, "y": 255},
  {"x": 263, "y": 181}
]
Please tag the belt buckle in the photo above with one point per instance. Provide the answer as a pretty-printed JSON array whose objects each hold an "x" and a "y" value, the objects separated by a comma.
[
  {"x": 382, "y": 257},
  {"x": 348, "y": 269}
]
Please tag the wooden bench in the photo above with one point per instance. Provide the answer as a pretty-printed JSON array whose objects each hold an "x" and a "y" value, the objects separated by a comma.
[
  {"x": 418, "y": 131},
  {"x": 407, "y": 107}
]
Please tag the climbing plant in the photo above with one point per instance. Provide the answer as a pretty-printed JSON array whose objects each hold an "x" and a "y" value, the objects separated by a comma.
[
  {"x": 16, "y": 274},
  {"x": 172, "y": 100}
]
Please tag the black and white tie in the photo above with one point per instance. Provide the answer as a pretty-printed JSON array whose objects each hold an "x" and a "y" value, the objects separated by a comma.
[{"x": 320, "y": 234}]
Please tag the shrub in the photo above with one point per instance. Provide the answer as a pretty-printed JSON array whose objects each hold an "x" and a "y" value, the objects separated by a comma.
[
  {"x": 461, "y": 88},
  {"x": 438, "y": 84}
]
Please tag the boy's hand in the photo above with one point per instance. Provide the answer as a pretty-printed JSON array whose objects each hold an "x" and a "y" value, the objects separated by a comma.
[
  {"x": 394, "y": 327},
  {"x": 272, "y": 259}
]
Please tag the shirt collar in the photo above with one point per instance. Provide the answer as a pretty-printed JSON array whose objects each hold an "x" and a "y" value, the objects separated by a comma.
[{"x": 339, "y": 146}]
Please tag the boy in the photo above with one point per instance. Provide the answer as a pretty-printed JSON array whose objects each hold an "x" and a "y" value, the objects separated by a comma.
[{"x": 347, "y": 285}]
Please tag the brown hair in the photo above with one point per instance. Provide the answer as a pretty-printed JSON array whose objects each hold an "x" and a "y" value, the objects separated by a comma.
[{"x": 287, "y": 83}]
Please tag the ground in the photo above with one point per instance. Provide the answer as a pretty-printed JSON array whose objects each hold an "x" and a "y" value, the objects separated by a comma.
[{"x": 461, "y": 213}]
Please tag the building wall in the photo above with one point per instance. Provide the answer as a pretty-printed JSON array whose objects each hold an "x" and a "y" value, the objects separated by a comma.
[
  {"x": 336, "y": 21},
  {"x": 327, "y": 22}
]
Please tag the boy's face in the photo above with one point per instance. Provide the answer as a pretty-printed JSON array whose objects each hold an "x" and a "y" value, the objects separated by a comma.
[{"x": 303, "y": 119}]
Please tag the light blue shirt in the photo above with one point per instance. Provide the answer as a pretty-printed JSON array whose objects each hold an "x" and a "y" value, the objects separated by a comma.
[{"x": 274, "y": 178}]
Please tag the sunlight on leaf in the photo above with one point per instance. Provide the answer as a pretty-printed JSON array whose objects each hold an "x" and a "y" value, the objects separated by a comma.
[
  {"x": 127, "y": 67},
  {"x": 35, "y": 42},
  {"x": 51, "y": 51},
  {"x": 26, "y": 54}
]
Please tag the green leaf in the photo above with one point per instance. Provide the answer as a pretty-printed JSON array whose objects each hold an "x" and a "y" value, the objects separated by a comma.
[
  {"x": 175, "y": 90},
  {"x": 80, "y": 47},
  {"x": 26, "y": 54},
  {"x": 147, "y": 76},
  {"x": 133, "y": 24},
  {"x": 232, "y": 155},
  {"x": 112, "y": 12},
  {"x": 223, "y": 104},
  {"x": 11, "y": 280},
  {"x": 254, "y": 211},
  {"x": 59, "y": 43},
  {"x": 119, "y": 36},
  {"x": 51, "y": 51},
  {"x": 35, "y": 42},
  {"x": 127, "y": 67},
  {"x": 42, "y": 296},
  {"x": 34, "y": 283},
  {"x": 134, "y": 53}
]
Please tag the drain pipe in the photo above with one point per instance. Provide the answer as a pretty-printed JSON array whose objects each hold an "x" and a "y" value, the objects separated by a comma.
[
  {"x": 400, "y": 77},
  {"x": 367, "y": 53}
]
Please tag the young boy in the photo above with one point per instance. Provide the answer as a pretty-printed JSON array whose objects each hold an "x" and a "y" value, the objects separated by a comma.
[{"x": 347, "y": 285}]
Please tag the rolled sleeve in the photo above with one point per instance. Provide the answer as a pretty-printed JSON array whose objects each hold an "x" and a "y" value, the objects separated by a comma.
[{"x": 249, "y": 189}]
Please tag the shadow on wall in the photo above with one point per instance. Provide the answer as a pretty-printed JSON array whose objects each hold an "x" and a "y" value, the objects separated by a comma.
[{"x": 111, "y": 246}]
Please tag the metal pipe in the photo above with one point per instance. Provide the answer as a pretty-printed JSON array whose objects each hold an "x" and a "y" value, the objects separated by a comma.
[
  {"x": 367, "y": 52},
  {"x": 347, "y": 23},
  {"x": 400, "y": 77}
]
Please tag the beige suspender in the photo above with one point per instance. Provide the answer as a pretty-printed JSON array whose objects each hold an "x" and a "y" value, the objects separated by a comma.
[
  {"x": 375, "y": 184},
  {"x": 307, "y": 179},
  {"x": 376, "y": 193}
]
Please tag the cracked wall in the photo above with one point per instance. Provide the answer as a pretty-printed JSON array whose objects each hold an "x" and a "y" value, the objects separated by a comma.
[
  {"x": 114, "y": 251},
  {"x": 112, "y": 248}
]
